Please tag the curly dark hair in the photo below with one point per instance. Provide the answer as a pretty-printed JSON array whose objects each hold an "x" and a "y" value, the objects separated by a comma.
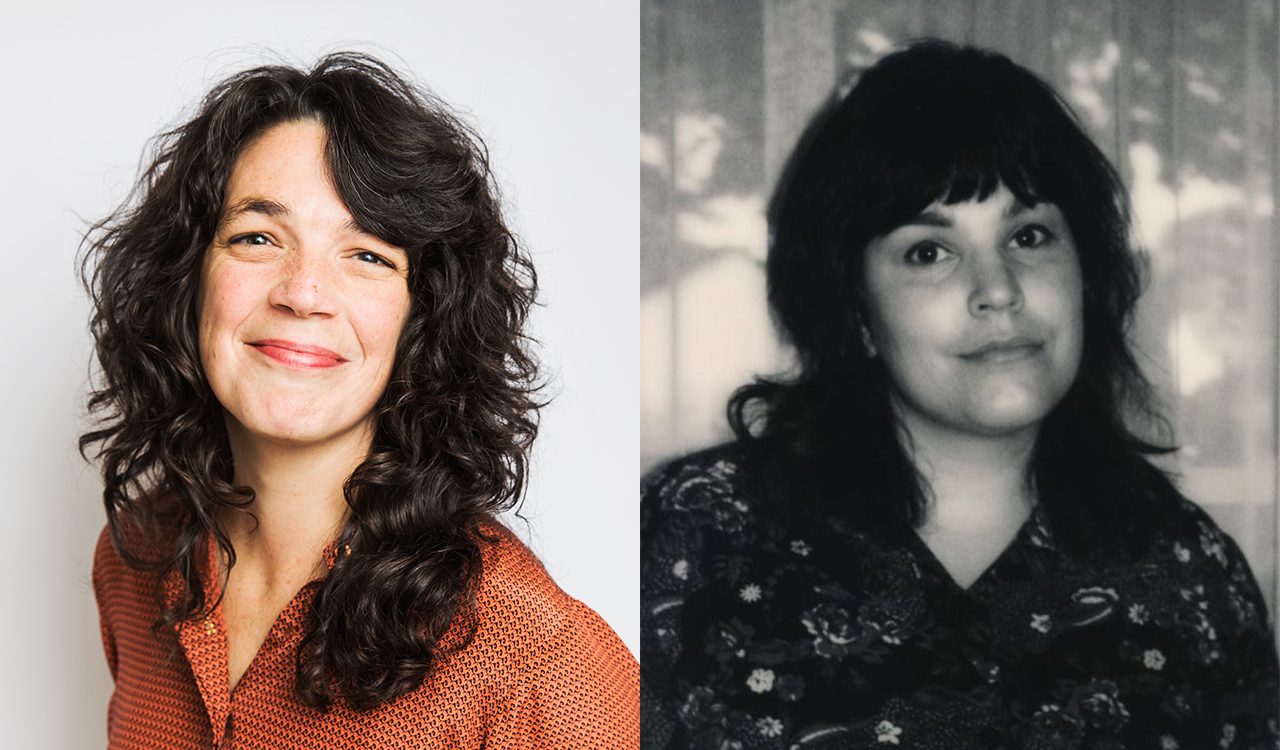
[
  {"x": 939, "y": 122},
  {"x": 451, "y": 431}
]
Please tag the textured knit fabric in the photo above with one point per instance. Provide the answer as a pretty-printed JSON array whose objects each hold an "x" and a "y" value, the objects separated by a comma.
[
  {"x": 544, "y": 671},
  {"x": 768, "y": 623}
]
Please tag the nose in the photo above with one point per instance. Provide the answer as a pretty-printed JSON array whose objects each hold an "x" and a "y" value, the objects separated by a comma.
[
  {"x": 305, "y": 287},
  {"x": 995, "y": 287}
]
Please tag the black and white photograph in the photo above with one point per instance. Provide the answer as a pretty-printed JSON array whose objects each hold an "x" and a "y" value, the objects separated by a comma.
[{"x": 959, "y": 374}]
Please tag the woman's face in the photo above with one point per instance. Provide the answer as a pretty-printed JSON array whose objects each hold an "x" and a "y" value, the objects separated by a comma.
[
  {"x": 976, "y": 311},
  {"x": 300, "y": 310}
]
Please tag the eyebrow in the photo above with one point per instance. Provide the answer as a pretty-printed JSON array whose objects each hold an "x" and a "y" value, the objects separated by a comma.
[
  {"x": 942, "y": 220},
  {"x": 929, "y": 219},
  {"x": 274, "y": 210},
  {"x": 254, "y": 205}
]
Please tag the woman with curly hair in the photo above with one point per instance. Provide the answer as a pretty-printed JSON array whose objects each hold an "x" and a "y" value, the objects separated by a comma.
[
  {"x": 945, "y": 530},
  {"x": 315, "y": 395}
]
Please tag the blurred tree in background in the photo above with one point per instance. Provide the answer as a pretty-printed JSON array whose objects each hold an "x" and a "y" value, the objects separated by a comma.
[{"x": 1181, "y": 94}]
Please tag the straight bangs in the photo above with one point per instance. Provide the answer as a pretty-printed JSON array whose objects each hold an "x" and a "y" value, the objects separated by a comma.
[
  {"x": 963, "y": 161},
  {"x": 937, "y": 127}
]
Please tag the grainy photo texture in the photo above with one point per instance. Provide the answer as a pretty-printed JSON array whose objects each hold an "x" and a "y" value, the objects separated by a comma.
[{"x": 987, "y": 292}]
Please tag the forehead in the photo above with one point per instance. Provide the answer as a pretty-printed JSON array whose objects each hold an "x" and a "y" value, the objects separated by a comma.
[
  {"x": 286, "y": 165},
  {"x": 296, "y": 144}
]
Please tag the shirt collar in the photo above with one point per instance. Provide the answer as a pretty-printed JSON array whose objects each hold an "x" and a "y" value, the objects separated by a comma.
[{"x": 173, "y": 584}]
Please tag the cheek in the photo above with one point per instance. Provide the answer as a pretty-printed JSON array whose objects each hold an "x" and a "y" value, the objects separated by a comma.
[
  {"x": 225, "y": 301},
  {"x": 1061, "y": 305},
  {"x": 228, "y": 299},
  {"x": 381, "y": 319},
  {"x": 913, "y": 330},
  {"x": 909, "y": 324}
]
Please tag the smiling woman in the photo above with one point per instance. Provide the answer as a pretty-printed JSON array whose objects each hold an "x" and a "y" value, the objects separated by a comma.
[
  {"x": 945, "y": 529},
  {"x": 291, "y": 283},
  {"x": 995, "y": 260},
  {"x": 315, "y": 395}
]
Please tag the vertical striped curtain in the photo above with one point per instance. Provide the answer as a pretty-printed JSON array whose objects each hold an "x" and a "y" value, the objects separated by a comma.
[{"x": 1180, "y": 94}]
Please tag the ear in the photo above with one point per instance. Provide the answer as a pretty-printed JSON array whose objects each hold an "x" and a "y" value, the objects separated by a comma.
[{"x": 867, "y": 342}]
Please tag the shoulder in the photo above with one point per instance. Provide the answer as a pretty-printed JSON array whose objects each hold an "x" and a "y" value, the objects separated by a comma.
[
  {"x": 126, "y": 597},
  {"x": 708, "y": 485},
  {"x": 522, "y": 614},
  {"x": 731, "y": 495},
  {"x": 1203, "y": 562},
  {"x": 720, "y": 463},
  {"x": 557, "y": 674},
  {"x": 110, "y": 571},
  {"x": 731, "y": 502},
  {"x": 515, "y": 589},
  {"x": 1187, "y": 532},
  {"x": 106, "y": 564},
  {"x": 104, "y": 552}
]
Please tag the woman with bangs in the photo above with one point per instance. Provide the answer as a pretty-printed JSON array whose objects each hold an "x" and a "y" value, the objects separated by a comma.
[
  {"x": 315, "y": 396},
  {"x": 944, "y": 530}
]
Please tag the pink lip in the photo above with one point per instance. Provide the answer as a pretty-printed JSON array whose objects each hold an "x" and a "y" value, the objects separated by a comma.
[
  {"x": 293, "y": 354},
  {"x": 1004, "y": 350}
]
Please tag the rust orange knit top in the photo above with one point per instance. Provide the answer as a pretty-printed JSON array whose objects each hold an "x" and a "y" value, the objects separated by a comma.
[{"x": 544, "y": 671}]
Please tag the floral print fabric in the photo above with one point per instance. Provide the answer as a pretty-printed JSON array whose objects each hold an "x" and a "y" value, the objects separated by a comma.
[{"x": 765, "y": 625}]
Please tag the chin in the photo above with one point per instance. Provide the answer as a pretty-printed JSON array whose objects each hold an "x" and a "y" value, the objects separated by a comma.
[
  {"x": 293, "y": 434},
  {"x": 1009, "y": 417},
  {"x": 292, "y": 426}
]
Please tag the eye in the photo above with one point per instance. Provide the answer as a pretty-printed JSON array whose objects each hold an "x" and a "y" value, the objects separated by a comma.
[
  {"x": 925, "y": 254},
  {"x": 250, "y": 238},
  {"x": 1032, "y": 235},
  {"x": 370, "y": 257}
]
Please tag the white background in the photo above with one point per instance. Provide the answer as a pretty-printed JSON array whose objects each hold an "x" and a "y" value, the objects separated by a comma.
[{"x": 553, "y": 87}]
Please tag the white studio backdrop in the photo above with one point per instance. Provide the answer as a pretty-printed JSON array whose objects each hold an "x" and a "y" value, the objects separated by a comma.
[{"x": 552, "y": 87}]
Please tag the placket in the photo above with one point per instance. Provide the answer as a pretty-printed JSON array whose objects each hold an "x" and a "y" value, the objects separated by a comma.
[{"x": 204, "y": 643}]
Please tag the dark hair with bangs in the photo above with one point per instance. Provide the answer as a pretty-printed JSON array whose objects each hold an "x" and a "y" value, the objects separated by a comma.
[
  {"x": 452, "y": 430},
  {"x": 939, "y": 122}
]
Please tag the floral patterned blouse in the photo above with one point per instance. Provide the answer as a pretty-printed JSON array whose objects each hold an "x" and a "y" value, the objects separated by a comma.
[{"x": 768, "y": 627}]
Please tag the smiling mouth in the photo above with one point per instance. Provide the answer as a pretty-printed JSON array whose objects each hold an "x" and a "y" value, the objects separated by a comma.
[
  {"x": 293, "y": 354},
  {"x": 1004, "y": 351}
]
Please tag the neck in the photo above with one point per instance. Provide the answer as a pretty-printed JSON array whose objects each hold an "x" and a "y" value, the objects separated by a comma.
[
  {"x": 298, "y": 503},
  {"x": 975, "y": 481}
]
